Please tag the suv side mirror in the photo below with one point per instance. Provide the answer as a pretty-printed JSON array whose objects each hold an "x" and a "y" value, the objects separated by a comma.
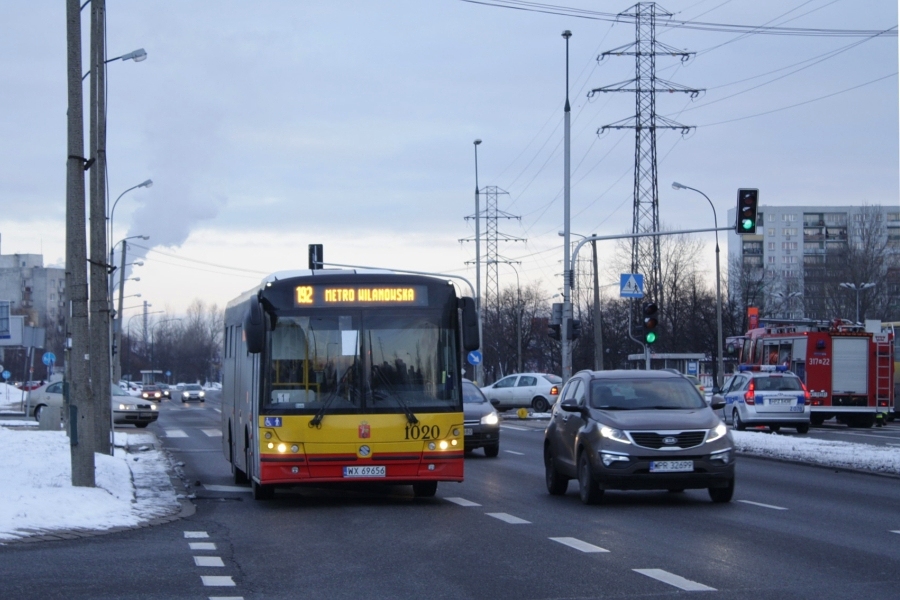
[
  {"x": 571, "y": 406},
  {"x": 717, "y": 402}
]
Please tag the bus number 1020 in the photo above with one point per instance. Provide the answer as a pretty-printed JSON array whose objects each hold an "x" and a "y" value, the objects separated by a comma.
[{"x": 425, "y": 432}]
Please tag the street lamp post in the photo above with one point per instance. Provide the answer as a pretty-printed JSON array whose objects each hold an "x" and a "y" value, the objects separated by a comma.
[
  {"x": 518, "y": 318},
  {"x": 720, "y": 363},
  {"x": 117, "y": 324},
  {"x": 598, "y": 333},
  {"x": 857, "y": 288},
  {"x": 566, "y": 347},
  {"x": 787, "y": 298},
  {"x": 479, "y": 369}
]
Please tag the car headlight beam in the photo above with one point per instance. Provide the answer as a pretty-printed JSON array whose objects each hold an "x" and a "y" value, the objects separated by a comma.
[
  {"x": 491, "y": 418},
  {"x": 716, "y": 433},
  {"x": 616, "y": 435}
]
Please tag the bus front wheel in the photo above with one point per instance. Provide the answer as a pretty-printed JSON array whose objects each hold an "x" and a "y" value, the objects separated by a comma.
[{"x": 425, "y": 489}]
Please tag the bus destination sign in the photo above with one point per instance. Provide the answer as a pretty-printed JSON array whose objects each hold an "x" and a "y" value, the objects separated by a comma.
[{"x": 320, "y": 296}]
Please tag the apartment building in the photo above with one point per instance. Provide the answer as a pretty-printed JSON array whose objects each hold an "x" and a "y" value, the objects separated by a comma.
[
  {"x": 798, "y": 252},
  {"x": 34, "y": 291}
]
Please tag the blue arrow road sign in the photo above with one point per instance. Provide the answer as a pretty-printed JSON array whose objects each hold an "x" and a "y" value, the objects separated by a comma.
[
  {"x": 631, "y": 285},
  {"x": 49, "y": 358},
  {"x": 474, "y": 357},
  {"x": 6, "y": 374}
]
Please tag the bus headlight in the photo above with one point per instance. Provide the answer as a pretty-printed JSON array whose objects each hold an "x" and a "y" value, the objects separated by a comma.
[
  {"x": 282, "y": 447},
  {"x": 444, "y": 445}
]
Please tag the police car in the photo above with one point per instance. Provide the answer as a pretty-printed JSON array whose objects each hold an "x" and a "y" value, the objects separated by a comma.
[{"x": 772, "y": 397}]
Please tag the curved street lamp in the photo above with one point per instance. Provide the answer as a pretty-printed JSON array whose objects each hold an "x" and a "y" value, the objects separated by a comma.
[
  {"x": 720, "y": 363},
  {"x": 136, "y": 55},
  {"x": 857, "y": 288}
]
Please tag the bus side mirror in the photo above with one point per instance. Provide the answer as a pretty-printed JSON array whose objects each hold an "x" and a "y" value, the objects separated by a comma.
[
  {"x": 254, "y": 326},
  {"x": 469, "y": 325}
]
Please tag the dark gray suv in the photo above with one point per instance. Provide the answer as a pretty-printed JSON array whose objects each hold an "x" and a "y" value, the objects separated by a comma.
[{"x": 637, "y": 430}]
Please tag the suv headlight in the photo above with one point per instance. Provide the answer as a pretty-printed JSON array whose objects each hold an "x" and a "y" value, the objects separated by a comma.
[
  {"x": 614, "y": 434},
  {"x": 490, "y": 419},
  {"x": 717, "y": 432}
]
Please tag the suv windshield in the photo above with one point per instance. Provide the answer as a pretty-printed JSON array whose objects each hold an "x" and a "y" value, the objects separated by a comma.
[
  {"x": 471, "y": 394},
  {"x": 193, "y": 387},
  {"x": 645, "y": 394}
]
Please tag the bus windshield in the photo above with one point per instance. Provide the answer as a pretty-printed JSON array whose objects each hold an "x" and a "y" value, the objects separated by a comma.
[{"x": 362, "y": 361}]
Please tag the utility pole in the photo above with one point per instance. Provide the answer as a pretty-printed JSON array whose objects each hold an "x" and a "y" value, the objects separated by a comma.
[
  {"x": 99, "y": 290},
  {"x": 80, "y": 418},
  {"x": 598, "y": 332}
]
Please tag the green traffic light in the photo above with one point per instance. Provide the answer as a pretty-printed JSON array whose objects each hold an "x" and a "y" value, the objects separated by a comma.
[
  {"x": 747, "y": 224},
  {"x": 650, "y": 337}
]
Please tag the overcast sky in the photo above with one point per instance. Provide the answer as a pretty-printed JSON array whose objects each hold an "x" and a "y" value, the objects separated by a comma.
[{"x": 269, "y": 125}]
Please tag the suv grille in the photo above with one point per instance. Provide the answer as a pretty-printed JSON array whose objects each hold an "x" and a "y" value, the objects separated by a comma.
[{"x": 654, "y": 439}]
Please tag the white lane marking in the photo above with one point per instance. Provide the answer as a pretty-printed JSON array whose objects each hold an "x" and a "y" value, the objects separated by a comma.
[
  {"x": 208, "y": 561},
  {"x": 212, "y": 432},
  {"x": 514, "y": 428},
  {"x": 202, "y": 546},
  {"x": 227, "y": 488},
  {"x": 763, "y": 505},
  {"x": 890, "y": 444},
  {"x": 226, "y": 598},
  {"x": 462, "y": 502},
  {"x": 218, "y": 410},
  {"x": 507, "y": 518},
  {"x": 514, "y": 452},
  {"x": 895, "y": 531},
  {"x": 217, "y": 580},
  {"x": 675, "y": 580},
  {"x": 578, "y": 544},
  {"x": 196, "y": 534},
  {"x": 886, "y": 435},
  {"x": 175, "y": 433}
]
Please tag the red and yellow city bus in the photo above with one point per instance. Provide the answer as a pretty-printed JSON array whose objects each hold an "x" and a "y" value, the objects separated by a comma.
[{"x": 336, "y": 375}]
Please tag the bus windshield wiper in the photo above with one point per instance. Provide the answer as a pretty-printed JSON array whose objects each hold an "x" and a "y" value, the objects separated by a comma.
[
  {"x": 410, "y": 417},
  {"x": 320, "y": 414}
]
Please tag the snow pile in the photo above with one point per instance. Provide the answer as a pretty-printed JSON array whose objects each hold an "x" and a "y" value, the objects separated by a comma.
[
  {"x": 11, "y": 398},
  {"x": 881, "y": 459},
  {"x": 38, "y": 496}
]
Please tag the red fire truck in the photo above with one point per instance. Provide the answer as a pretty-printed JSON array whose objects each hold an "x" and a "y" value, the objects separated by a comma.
[{"x": 848, "y": 371}]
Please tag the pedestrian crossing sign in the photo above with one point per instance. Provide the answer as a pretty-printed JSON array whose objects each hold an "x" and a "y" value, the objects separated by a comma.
[{"x": 631, "y": 285}]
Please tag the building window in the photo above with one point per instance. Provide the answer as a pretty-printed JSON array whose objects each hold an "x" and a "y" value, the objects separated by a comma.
[
  {"x": 788, "y": 245},
  {"x": 771, "y": 232},
  {"x": 789, "y": 231},
  {"x": 788, "y": 259},
  {"x": 770, "y": 260},
  {"x": 771, "y": 246}
]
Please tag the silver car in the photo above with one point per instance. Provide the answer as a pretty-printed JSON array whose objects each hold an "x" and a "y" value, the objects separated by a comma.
[
  {"x": 535, "y": 390},
  {"x": 126, "y": 409},
  {"x": 637, "y": 430},
  {"x": 774, "y": 398}
]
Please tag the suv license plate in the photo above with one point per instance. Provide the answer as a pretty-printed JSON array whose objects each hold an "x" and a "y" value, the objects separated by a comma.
[
  {"x": 364, "y": 472},
  {"x": 671, "y": 466}
]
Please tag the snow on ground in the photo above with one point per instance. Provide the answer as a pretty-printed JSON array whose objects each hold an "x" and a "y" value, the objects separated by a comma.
[
  {"x": 134, "y": 486},
  {"x": 38, "y": 496},
  {"x": 881, "y": 459},
  {"x": 11, "y": 398}
]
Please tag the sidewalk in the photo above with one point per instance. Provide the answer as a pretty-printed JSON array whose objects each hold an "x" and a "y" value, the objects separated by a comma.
[{"x": 38, "y": 503}]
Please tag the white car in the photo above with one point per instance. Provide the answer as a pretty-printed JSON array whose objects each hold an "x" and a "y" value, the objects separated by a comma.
[
  {"x": 536, "y": 390},
  {"x": 126, "y": 409}
]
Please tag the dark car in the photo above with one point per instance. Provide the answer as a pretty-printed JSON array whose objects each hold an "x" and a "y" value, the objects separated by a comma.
[
  {"x": 481, "y": 423},
  {"x": 164, "y": 388},
  {"x": 151, "y": 392},
  {"x": 637, "y": 430}
]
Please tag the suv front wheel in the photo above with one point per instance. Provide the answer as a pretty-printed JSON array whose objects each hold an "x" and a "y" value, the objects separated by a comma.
[
  {"x": 557, "y": 483},
  {"x": 722, "y": 494},
  {"x": 589, "y": 489}
]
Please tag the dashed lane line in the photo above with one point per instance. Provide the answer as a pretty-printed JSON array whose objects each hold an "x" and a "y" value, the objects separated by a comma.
[
  {"x": 202, "y": 546},
  {"x": 515, "y": 428},
  {"x": 208, "y": 561},
  {"x": 578, "y": 544},
  {"x": 514, "y": 452},
  {"x": 763, "y": 505},
  {"x": 212, "y": 432},
  {"x": 508, "y": 518},
  {"x": 196, "y": 534},
  {"x": 175, "y": 433},
  {"x": 462, "y": 502},
  {"x": 895, "y": 531},
  {"x": 226, "y": 598},
  {"x": 217, "y": 580},
  {"x": 675, "y": 580}
]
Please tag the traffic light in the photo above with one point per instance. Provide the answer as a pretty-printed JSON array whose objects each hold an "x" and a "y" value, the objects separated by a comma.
[
  {"x": 574, "y": 329},
  {"x": 748, "y": 204},
  {"x": 553, "y": 331},
  {"x": 315, "y": 257},
  {"x": 651, "y": 320}
]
